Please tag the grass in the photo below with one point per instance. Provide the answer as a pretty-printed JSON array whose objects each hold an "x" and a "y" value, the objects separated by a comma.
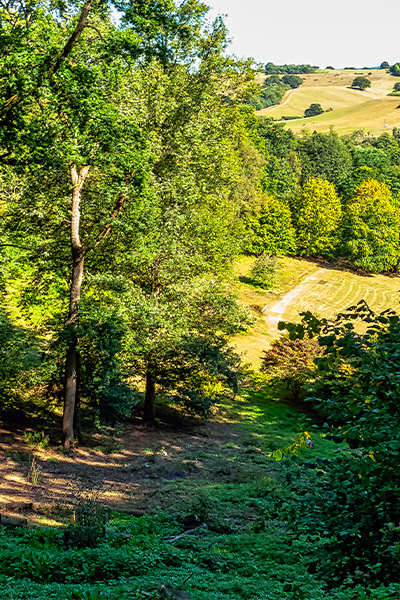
[
  {"x": 352, "y": 109},
  {"x": 333, "y": 290}
]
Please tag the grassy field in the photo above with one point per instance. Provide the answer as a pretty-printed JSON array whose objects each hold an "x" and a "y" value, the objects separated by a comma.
[
  {"x": 304, "y": 285},
  {"x": 372, "y": 110}
]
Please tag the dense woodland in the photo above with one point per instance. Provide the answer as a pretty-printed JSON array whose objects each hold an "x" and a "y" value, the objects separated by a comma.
[{"x": 133, "y": 172}]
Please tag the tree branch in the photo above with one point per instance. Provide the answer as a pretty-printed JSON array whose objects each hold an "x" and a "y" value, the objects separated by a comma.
[
  {"x": 96, "y": 30},
  {"x": 73, "y": 40},
  {"x": 118, "y": 208}
]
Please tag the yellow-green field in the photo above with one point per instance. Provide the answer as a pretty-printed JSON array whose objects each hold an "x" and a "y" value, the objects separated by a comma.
[
  {"x": 372, "y": 110},
  {"x": 303, "y": 285}
]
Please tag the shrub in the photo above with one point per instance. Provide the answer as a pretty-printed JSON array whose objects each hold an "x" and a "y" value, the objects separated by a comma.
[
  {"x": 313, "y": 110},
  {"x": 264, "y": 270},
  {"x": 291, "y": 361}
]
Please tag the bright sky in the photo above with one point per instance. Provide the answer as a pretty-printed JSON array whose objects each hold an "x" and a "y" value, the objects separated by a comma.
[{"x": 341, "y": 33}]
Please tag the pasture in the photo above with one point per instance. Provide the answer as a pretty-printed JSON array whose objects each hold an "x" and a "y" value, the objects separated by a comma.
[{"x": 372, "y": 110}]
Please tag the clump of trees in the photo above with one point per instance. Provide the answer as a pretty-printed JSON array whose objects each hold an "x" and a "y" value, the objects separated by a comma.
[
  {"x": 313, "y": 110},
  {"x": 271, "y": 91},
  {"x": 120, "y": 157},
  {"x": 320, "y": 193},
  {"x": 271, "y": 69}
]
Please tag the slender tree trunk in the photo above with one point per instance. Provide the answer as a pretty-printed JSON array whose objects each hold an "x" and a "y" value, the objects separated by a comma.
[
  {"x": 149, "y": 400},
  {"x": 78, "y": 256}
]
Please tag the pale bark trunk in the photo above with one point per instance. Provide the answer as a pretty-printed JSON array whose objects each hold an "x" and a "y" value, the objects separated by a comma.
[
  {"x": 78, "y": 256},
  {"x": 149, "y": 400}
]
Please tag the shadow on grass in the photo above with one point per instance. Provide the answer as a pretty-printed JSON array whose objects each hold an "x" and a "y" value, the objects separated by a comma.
[
  {"x": 252, "y": 282},
  {"x": 273, "y": 420}
]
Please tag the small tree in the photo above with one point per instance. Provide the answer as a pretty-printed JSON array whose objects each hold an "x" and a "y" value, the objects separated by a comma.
[
  {"x": 291, "y": 361},
  {"x": 396, "y": 87},
  {"x": 372, "y": 228},
  {"x": 395, "y": 70},
  {"x": 361, "y": 82},
  {"x": 317, "y": 213},
  {"x": 264, "y": 270},
  {"x": 313, "y": 110},
  {"x": 384, "y": 65}
]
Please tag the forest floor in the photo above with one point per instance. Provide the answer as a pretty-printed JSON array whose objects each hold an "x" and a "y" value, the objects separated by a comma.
[{"x": 144, "y": 471}]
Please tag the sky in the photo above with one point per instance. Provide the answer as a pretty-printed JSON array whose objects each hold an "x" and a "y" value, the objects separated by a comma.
[{"x": 338, "y": 33}]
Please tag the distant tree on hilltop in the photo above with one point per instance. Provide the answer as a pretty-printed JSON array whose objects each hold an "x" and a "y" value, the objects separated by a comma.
[
  {"x": 361, "y": 82},
  {"x": 384, "y": 65},
  {"x": 395, "y": 70}
]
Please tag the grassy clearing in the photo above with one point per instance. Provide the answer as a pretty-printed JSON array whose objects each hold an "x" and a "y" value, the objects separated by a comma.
[{"x": 333, "y": 290}]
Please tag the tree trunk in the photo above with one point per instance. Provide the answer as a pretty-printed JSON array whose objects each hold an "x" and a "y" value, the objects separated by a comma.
[
  {"x": 149, "y": 400},
  {"x": 78, "y": 256}
]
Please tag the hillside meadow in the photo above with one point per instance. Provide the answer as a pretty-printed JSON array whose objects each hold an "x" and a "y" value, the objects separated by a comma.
[
  {"x": 324, "y": 288},
  {"x": 372, "y": 110}
]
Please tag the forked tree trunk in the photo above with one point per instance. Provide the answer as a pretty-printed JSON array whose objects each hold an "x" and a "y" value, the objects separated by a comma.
[
  {"x": 78, "y": 256},
  {"x": 149, "y": 400}
]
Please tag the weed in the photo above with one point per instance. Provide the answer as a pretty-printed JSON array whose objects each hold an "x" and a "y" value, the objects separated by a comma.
[
  {"x": 36, "y": 439},
  {"x": 90, "y": 515},
  {"x": 34, "y": 473}
]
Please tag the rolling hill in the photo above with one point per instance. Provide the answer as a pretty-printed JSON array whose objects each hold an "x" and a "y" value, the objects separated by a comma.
[{"x": 348, "y": 109}]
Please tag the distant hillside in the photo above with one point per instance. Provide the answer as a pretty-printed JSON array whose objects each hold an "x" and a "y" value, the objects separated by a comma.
[{"x": 372, "y": 110}]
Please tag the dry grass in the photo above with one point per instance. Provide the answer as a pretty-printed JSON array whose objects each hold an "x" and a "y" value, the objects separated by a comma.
[
  {"x": 324, "y": 289},
  {"x": 371, "y": 110}
]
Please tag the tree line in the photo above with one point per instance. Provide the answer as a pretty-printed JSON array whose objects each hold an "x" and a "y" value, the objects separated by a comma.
[{"x": 330, "y": 196}]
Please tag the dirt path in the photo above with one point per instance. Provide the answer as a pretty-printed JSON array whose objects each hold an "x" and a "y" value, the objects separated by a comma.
[{"x": 275, "y": 313}]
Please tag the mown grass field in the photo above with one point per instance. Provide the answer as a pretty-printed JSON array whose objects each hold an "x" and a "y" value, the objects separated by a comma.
[
  {"x": 331, "y": 290},
  {"x": 372, "y": 110}
]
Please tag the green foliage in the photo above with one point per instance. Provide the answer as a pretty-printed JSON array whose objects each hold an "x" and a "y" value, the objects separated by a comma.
[
  {"x": 356, "y": 393},
  {"x": 317, "y": 216},
  {"x": 101, "y": 375},
  {"x": 371, "y": 228},
  {"x": 396, "y": 87},
  {"x": 289, "y": 69},
  {"x": 395, "y": 70},
  {"x": 384, "y": 65},
  {"x": 313, "y": 110},
  {"x": 361, "y": 83},
  {"x": 291, "y": 361},
  {"x": 271, "y": 231},
  {"x": 293, "y": 80},
  {"x": 264, "y": 270},
  {"x": 325, "y": 155}
]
